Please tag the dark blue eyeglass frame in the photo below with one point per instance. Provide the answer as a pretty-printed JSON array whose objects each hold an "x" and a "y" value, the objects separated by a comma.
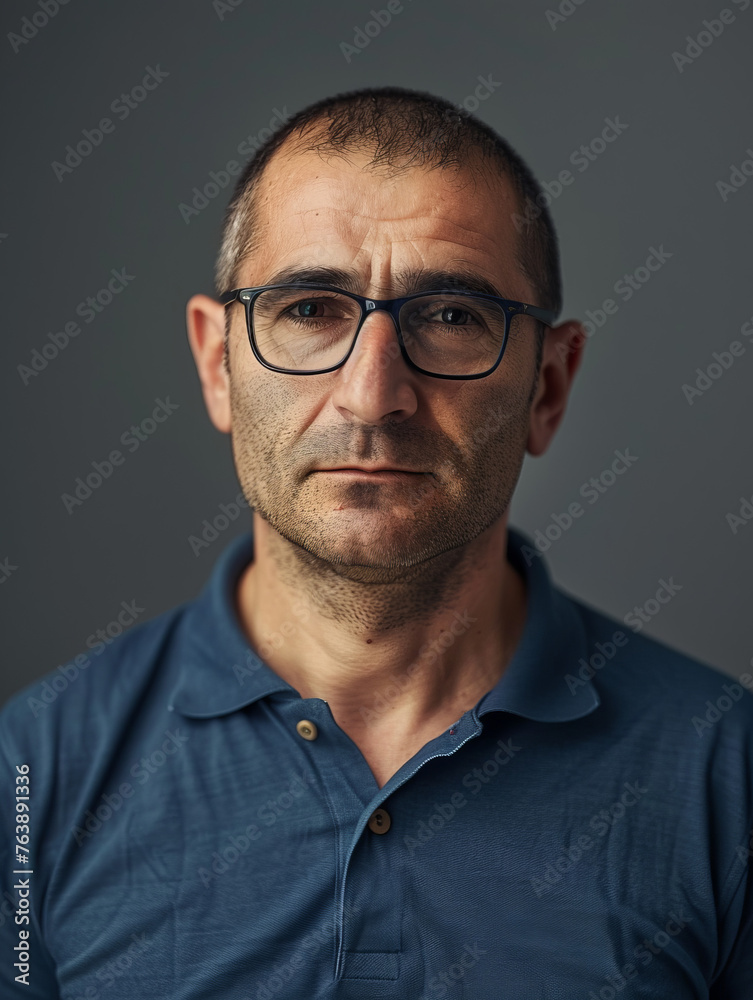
[{"x": 510, "y": 308}]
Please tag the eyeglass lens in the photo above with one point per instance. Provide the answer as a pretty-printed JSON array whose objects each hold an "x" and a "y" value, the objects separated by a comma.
[{"x": 443, "y": 333}]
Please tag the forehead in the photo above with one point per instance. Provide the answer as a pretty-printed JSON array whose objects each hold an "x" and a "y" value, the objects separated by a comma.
[{"x": 346, "y": 212}]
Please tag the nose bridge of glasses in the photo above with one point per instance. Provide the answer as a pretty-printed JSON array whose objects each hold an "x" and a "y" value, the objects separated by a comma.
[
  {"x": 371, "y": 307},
  {"x": 375, "y": 349}
]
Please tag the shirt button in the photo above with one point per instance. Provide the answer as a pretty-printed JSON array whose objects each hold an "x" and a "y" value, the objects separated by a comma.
[
  {"x": 307, "y": 729},
  {"x": 379, "y": 821}
]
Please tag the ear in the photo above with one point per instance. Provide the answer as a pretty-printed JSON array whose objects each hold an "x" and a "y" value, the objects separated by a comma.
[
  {"x": 562, "y": 353},
  {"x": 205, "y": 319}
]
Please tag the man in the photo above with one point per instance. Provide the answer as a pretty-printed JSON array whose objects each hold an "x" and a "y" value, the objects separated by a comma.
[{"x": 381, "y": 756}]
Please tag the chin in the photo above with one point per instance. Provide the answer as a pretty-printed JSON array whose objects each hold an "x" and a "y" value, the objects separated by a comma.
[{"x": 356, "y": 543}]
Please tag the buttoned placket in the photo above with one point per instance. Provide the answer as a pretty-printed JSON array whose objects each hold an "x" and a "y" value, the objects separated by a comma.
[{"x": 367, "y": 831}]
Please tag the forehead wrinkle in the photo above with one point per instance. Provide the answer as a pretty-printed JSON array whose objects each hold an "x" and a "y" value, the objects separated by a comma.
[
  {"x": 370, "y": 240},
  {"x": 361, "y": 237},
  {"x": 417, "y": 214},
  {"x": 370, "y": 243}
]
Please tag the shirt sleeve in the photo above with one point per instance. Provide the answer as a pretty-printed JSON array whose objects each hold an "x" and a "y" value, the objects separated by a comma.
[{"x": 34, "y": 978}]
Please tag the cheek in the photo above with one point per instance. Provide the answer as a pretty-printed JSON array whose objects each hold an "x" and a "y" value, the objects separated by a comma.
[
  {"x": 497, "y": 419},
  {"x": 494, "y": 429},
  {"x": 255, "y": 411},
  {"x": 520, "y": 354},
  {"x": 268, "y": 415}
]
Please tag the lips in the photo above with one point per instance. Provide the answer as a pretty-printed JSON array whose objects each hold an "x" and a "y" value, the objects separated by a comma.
[
  {"x": 382, "y": 475},
  {"x": 366, "y": 469},
  {"x": 376, "y": 474}
]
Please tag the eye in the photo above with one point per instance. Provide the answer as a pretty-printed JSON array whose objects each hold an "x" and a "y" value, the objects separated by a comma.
[
  {"x": 446, "y": 314},
  {"x": 316, "y": 309},
  {"x": 454, "y": 316},
  {"x": 307, "y": 309}
]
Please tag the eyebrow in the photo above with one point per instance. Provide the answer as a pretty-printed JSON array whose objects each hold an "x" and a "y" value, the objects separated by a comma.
[{"x": 407, "y": 281}]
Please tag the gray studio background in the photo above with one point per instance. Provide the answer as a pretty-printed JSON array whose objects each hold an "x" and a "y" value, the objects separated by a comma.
[{"x": 65, "y": 575}]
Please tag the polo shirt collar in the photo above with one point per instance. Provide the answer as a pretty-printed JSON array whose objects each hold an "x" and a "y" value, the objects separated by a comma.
[
  {"x": 554, "y": 640},
  {"x": 220, "y": 673}
]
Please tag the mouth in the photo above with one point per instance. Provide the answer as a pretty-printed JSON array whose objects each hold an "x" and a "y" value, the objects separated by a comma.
[{"x": 383, "y": 473}]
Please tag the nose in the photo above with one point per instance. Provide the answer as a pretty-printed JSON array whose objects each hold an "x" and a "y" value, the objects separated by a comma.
[{"x": 375, "y": 384}]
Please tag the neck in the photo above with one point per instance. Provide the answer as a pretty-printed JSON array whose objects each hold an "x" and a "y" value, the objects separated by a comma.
[{"x": 398, "y": 659}]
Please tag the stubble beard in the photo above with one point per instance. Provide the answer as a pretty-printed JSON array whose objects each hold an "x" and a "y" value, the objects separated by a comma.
[{"x": 396, "y": 553}]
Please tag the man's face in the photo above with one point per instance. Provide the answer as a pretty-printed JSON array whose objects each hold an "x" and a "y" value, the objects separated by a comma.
[{"x": 465, "y": 439}]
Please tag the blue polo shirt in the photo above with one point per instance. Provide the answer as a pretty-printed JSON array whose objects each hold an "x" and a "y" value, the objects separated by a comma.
[{"x": 198, "y": 830}]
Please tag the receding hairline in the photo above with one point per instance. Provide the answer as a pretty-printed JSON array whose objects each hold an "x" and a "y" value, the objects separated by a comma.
[{"x": 477, "y": 162}]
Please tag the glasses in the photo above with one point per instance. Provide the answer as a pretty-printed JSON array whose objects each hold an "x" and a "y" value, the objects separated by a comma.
[{"x": 310, "y": 329}]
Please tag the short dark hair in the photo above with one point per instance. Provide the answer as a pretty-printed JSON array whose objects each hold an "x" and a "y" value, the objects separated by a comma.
[{"x": 402, "y": 128}]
